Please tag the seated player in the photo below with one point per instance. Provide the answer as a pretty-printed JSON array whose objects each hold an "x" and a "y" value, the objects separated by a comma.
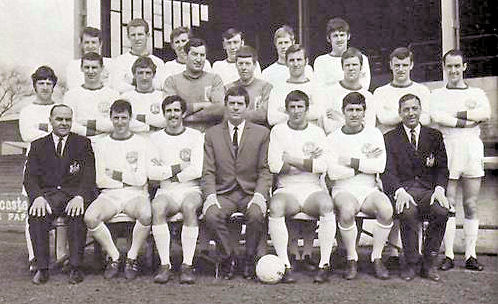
[
  {"x": 416, "y": 177},
  {"x": 145, "y": 100},
  {"x": 178, "y": 38},
  {"x": 181, "y": 155},
  {"x": 233, "y": 39},
  {"x": 236, "y": 179},
  {"x": 123, "y": 161},
  {"x": 295, "y": 153},
  {"x": 357, "y": 154},
  {"x": 258, "y": 89},
  {"x": 332, "y": 97},
  {"x": 328, "y": 67},
  {"x": 90, "y": 41},
  {"x": 278, "y": 72}
]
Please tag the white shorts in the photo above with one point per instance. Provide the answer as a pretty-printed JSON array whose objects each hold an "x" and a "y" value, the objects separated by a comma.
[
  {"x": 120, "y": 197},
  {"x": 300, "y": 191},
  {"x": 465, "y": 157},
  {"x": 178, "y": 191},
  {"x": 360, "y": 193}
]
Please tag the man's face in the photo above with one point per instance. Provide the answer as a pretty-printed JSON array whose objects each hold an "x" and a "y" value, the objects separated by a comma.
[
  {"x": 352, "y": 68},
  {"x": 354, "y": 115},
  {"x": 401, "y": 68},
  {"x": 61, "y": 121},
  {"x": 454, "y": 68},
  {"x": 297, "y": 112},
  {"x": 120, "y": 122},
  {"x": 232, "y": 45},
  {"x": 235, "y": 109},
  {"x": 296, "y": 62},
  {"x": 90, "y": 44},
  {"x": 245, "y": 67},
  {"x": 338, "y": 40},
  {"x": 196, "y": 58},
  {"x": 409, "y": 112},
  {"x": 173, "y": 114},
  {"x": 178, "y": 43},
  {"x": 282, "y": 44},
  {"x": 138, "y": 38},
  {"x": 143, "y": 77},
  {"x": 44, "y": 89},
  {"x": 92, "y": 71}
]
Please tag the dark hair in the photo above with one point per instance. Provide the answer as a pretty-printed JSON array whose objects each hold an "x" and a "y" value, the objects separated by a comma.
[
  {"x": 454, "y": 52},
  {"x": 337, "y": 24},
  {"x": 401, "y": 53},
  {"x": 194, "y": 42},
  {"x": 237, "y": 91},
  {"x": 354, "y": 98},
  {"x": 120, "y": 106},
  {"x": 247, "y": 51},
  {"x": 297, "y": 95},
  {"x": 137, "y": 22},
  {"x": 407, "y": 97},
  {"x": 294, "y": 49},
  {"x": 143, "y": 62},
  {"x": 170, "y": 99},
  {"x": 91, "y": 32},
  {"x": 177, "y": 31},
  {"x": 42, "y": 73},
  {"x": 232, "y": 32},
  {"x": 60, "y": 105},
  {"x": 92, "y": 56},
  {"x": 351, "y": 53}
]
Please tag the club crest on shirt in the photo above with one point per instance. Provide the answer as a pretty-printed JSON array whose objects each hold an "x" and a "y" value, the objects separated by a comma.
[
  {"x": 132, "y": 157},
  {"x": 470, "y": 104},
  {"x": 185, "y": 154},
  {"x": 155, "y": 108},
  {"x": 74, "y": 167},
  {"x": 308, "y": 147},
  {"x": 257, "y": 103},
  {"x": 104, "y": 107},
  {"x": 430, "y": 161}
]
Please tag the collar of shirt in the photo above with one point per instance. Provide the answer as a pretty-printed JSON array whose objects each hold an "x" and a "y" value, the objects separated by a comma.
[
  {"x": 189, "y": 76},
  {"x": 56, "y": 141},
  {"x": 240, "y": 129},
  {"x": 417, "y": 132}
]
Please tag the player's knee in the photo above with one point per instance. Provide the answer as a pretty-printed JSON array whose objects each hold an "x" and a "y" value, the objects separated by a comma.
[
  {"x": 325, "y": 206},
  {"x": 470, "y": 208},
  {"x": 91, "y": 219},
  {"x": 277, "y": 208},
  {"x": 347, "y": 215},
  {"x": 189, "y": 208},
  {"x": 158, "y": 208}
]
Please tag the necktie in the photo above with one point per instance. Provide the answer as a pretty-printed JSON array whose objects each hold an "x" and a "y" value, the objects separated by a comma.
[
  {"x": 59, "y": 147},
  {"x": 413, "y": 138},
  {"x": 235, "y": 140}
]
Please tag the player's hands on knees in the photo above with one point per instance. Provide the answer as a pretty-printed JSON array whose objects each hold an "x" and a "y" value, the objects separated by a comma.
[
  {"x": 440, "y": 197},
  {"x": 259, "y": 200},
  {"x": 75, "y": 207},
  {"x": 40, "y": 207},
  {"x": 211, "y": 200},
  {"x": 403, "y": 200}
]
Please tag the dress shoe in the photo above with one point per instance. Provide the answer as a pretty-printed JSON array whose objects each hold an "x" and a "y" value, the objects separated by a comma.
[
  {"x": 164, "y": 274},
  {"x": 228, "y": 268},
  {"x": 131, "y": 269},
  {"x": 322, "y": 274},
  {"x": 447, "y": 264},
  {"x": 75, "y": 276},
  {"x": 472, "y": 264},
  {"x": 289, "y": 276},
  {"x": 187, "y": 274},
  {"x": 111, "y": 270},
  {"x": 40, "y": 277},
  {"x": 408, "y": 273},
  {"x": 430, "y": 273},
  {"x": 351, "y": 270},
  {"x": 380, "y": 271},
  {"x": 249, "y": 271}
]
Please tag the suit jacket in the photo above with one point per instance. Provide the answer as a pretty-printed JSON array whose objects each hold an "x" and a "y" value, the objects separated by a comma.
[
  {"x": 427, "y": 165},
  {"x": 223, "y": 171},
  {"x": 74, "y": 173}
]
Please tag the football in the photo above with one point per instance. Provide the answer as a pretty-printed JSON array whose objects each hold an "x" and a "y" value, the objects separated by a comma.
[{"x": 270, "y": 269}]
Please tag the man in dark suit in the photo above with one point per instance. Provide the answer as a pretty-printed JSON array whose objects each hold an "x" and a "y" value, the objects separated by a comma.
[
  {"x": 60, "y": 181},
  {"x": 236, "y": 178},
  {"x": 416, "y": 178}
]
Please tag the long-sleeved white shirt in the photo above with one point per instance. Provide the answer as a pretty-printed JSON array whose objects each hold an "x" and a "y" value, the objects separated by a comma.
[{"x": 34, "y": 121}]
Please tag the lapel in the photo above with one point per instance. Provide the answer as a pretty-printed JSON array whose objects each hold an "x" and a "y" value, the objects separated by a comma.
[
  {"x": 228, "y": 140},
  {"x": 245, "y": 134},
  {"x": 406, "y": 141},
  {"x": 422, "y": 139}
]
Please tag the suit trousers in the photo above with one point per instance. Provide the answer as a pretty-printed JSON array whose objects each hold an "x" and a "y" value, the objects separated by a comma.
[
  {"x": 217, "y": 220},
  {"x": 39, "y": 229},
  {"x": 410, "y": 218}
]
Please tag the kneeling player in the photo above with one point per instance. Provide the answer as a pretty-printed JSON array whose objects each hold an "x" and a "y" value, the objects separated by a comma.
[
  {"x": 357, "y": 154},
  {"x": 122, "y": 163},
  {"x": 181, "y": 155},
  {"x": 295, "y": 154}
]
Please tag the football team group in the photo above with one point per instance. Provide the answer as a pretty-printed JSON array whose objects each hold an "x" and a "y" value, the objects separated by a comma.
[{"x": 149, "y": 139}]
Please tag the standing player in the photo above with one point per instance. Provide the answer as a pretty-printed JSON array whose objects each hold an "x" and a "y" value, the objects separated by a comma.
[
  {"x": 232, "y": 41},
  {"x": 295, "y": 154},
  {"x": 258, "y": 89},
  {"x": 145, "y": 100},
  {"x": 352, "y": 62},
  {"x": 328, "y": 67},
  {"x": 458, "y": 109},
  {"x": 357, "y": 154},
  {"x": 296, "y": 59},
  {"x": 121, "y": 74},
  {"x": 181, "y": 156},
  {"x": 123, "y": 161},
  {"x": 203, "y": 91},
  {"x": 178, "y": 38},
  {"x": 278, "y": 72},
  {"x": 90, "y": 41}
]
